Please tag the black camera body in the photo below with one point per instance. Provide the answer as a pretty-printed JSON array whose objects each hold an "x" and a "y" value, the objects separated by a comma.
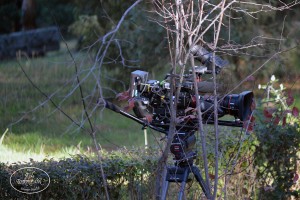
[{"x": 153, "y": 98}]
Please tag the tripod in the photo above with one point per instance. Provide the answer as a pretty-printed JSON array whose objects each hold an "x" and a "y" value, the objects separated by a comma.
[{"x": 181, "y": 147}]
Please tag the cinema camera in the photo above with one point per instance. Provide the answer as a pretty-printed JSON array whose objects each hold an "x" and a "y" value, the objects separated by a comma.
[{"x": 151, "y": 100}]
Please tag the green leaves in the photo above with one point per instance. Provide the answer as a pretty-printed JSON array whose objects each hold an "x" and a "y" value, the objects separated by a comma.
[
  {"x": 278, "y": 135},
  {"x": 88, "y": 29},
  {"x": 80, "y": 178},
  {"x": 278, "y": 105}
]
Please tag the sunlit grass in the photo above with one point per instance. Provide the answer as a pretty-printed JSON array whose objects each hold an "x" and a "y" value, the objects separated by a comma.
[
  {"x": 109, "y": 135},
  {"x": 10, "y": 155}
]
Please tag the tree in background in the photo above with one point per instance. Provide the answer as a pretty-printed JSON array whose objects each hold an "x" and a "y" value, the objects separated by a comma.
[
  {"x": 28, "y": 18},
  {"x": 145, "y": 45},
  {"x": 140, "y": 44},
  {"x": 275, "y": 29}
]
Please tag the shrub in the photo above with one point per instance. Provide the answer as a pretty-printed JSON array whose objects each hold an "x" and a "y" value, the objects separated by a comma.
[
  {"x": 277, "y": 153},
  {"x": 128, "y": 175},
  {"x": 88, "y": 29}
]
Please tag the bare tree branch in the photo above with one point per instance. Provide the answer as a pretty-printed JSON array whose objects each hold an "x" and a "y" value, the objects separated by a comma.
[{"x": 190, "y": 23}]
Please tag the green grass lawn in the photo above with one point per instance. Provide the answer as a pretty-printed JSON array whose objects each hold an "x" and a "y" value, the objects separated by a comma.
[{"x": 36, "y": 126}]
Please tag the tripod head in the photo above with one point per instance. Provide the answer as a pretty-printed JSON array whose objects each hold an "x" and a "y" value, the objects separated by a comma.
[{"x": 182, "y": 148}]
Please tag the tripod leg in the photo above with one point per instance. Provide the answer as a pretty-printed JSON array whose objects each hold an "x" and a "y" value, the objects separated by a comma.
[
  {"x": 181, "y": 192},
  {"x": 200, "y": 180},
  {"x": 183, "y": 183},
  {"x": 164, "y": 191}
]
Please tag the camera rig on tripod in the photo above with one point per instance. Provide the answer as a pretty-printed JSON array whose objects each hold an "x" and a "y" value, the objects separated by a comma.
[{"x": 151, "y": 99}]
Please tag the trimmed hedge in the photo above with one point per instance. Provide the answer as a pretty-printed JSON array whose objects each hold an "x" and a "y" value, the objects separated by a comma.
[{"x": 129, "y": 176}]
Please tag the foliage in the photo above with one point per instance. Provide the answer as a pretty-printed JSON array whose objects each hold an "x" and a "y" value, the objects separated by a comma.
[
  {"x": 129, "y": 175},
  {"x": 55, "y": 12},
  {"x": 88, "y": 29},
  {"x": 279, "y": 105},
  {"x": 139, "y": 43},
  {"x": 10, "y": 16},
  {"x": 273, "y": 31},
  {"x": 141, "y": 40},
  {"x": 277, "y": 154}
]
